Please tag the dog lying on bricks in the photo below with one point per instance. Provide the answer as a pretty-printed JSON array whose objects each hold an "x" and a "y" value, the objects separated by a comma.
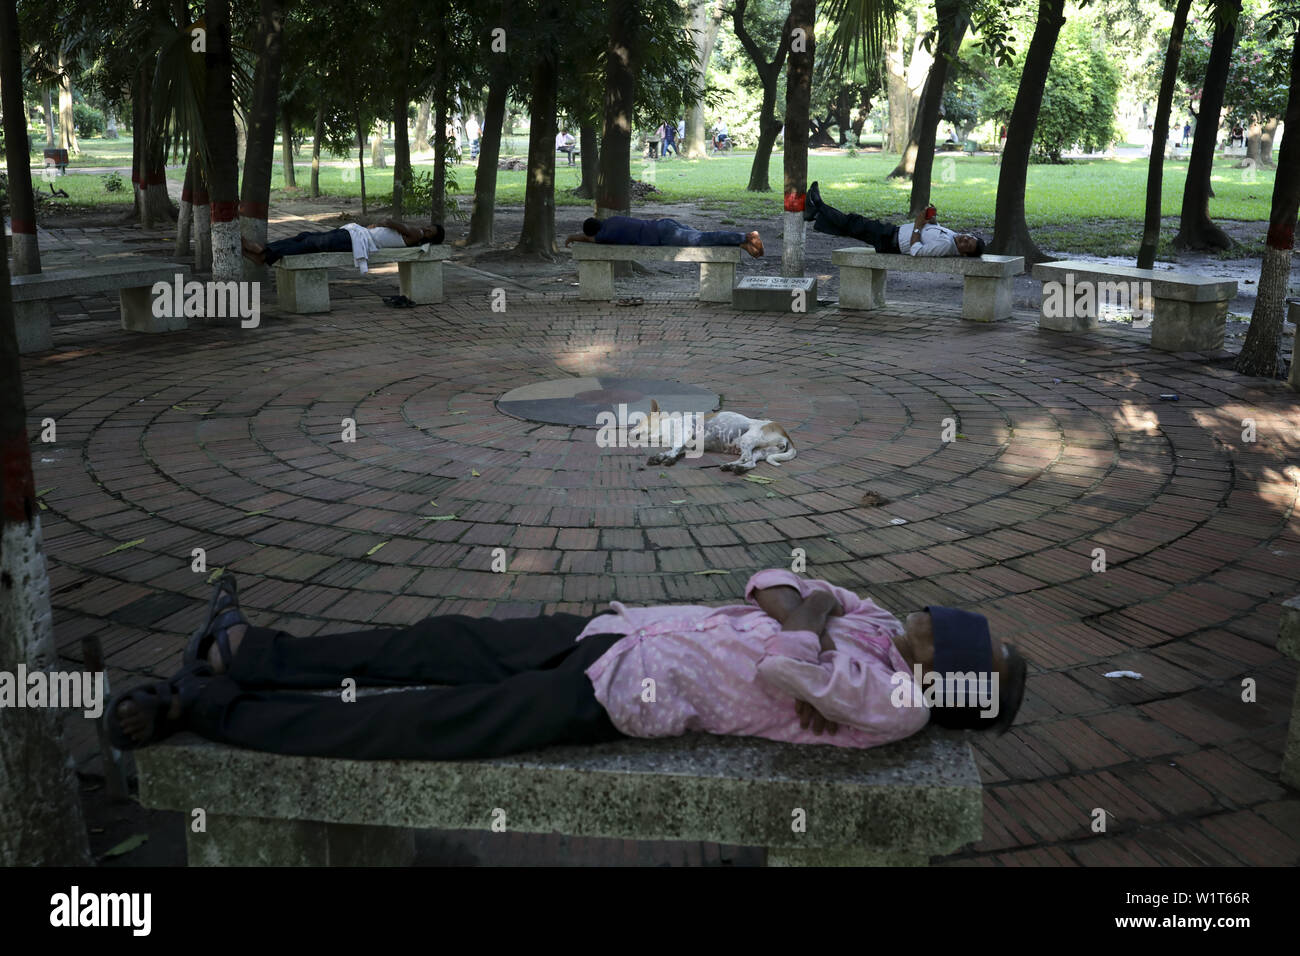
[{"x": 752, "y": 439}]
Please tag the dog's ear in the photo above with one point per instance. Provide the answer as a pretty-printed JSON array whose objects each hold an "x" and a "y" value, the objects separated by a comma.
[{"x": 654, "y": 406}]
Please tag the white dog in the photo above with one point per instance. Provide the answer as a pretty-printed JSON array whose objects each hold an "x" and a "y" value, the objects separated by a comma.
[{"x": 753, "y": 439}]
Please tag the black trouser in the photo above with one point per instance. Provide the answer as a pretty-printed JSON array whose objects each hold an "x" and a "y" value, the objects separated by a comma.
[
  {"x": 519, "y": 685},
  {"x": 336, "y": 240},
  {"x": 873, "y": 232}
]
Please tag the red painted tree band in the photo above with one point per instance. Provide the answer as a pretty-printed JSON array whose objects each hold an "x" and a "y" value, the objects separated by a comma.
[
  {"x": 16, "y": 476},
  {"x": 23, "y": 227},
  {"x": 1281, "y": 235},
  {"x": 225, "y": 211},
  {"x": 254, "y": 210},
  {"x": 156, "y": 178},
  {"x": 794, "y": 202},
  {"x": 201, "y": 197},
  {"x": 187, "y": 194}
]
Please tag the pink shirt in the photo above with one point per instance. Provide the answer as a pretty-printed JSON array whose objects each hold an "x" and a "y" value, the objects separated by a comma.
[{"x": 732, "y": 670}]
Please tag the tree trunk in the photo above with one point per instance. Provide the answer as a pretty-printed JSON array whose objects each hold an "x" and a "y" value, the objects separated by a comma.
[
  {"x": 614, "y": 183},
  {"x": 438, "y": 197},
  {"x": 317, "y": 134},
  {"x": 1196, "y": 230},
  {"x": 185, "y": 217},
  {"x": 706, "y": 20},
  {"x": 401, "y": 155},
  {"x": 953, "y": 21},
  {"x": 769, "y": 74},
  {"x": 49, "y": 118},
  {"x": 589, "y": 144},
  {"x": 538, "y": 234},
  {"x": 798, "y": 101},
  {"x": 377, "y": 158},
  {"x": 489, "y": 152},
  {"x": 255, "y": 195},
  {"x": 202, "y": 223},
  {"x": 223, "y": 175},
  {"x": 22, "y": 207},
  {"x": 286, "y": 152},
  {"x": 907, "y": 134},
  {"x": 39, "y": 800},
  {"x": 1160, "y": 136},
  {"x": 421, "y": 144},
  {"x": 842, "y": 118},
  {"x": 1266, "y": 141},
  {"x": 67, "y": 126},
  {"x": 1259, "y": 353},
  {"x": 155, "y": 204},
  {"x": 361, "y": 160},
  {"x": 1010, "y": 230}
]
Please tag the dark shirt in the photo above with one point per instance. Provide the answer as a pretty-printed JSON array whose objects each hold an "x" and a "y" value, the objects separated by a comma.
[{"x": 626, "y": 231}]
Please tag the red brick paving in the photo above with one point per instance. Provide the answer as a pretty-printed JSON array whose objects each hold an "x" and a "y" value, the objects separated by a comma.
[{"x": 229, "y": 440}]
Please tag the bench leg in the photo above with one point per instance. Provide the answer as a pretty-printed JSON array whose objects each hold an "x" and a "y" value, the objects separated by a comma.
[
  {"x": 862, "y": 288},
  {"x": 1070, "y": 320},
  {"x": 717, "y": 279},
  {"x": 595, "y": 279},
  {"x": 421, "y": 282},
  {"x": 302, "y": 291},
  {"x": 986, "y": 298},
  {"x": 784, "y": 856},
  {"x": 32, "y": 321},
  {"x": 137, "y": 312},
  {"x": 1188, "y": 326},
  {"x": 253, "y": 841}
]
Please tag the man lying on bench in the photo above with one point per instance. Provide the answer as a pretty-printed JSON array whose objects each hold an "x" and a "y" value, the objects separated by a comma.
[
  {"x": 354, "y": 238},
  {"x": 626, "y": 231},
  {"x": 925, "y": 237},
  {"x": 798, "y": 660}
]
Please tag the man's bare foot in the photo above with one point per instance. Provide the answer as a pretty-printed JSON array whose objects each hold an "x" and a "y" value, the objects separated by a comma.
[
  {"x": 753, "y": 244},
  {"x": 254, "y": 251},
  {"x": 138, "y": 723}
]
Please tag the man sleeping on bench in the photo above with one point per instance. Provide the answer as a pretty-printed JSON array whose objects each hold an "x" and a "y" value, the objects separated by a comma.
[
  {"x": 925, "y": 237},
  {"x": 801, "y": 661},
  {"x": 354, "y": 238},
  {"x": 626, "y": 231}
]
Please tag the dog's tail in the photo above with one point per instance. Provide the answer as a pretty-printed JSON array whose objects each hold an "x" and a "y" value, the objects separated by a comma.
[{"x": 787, "y": 451}]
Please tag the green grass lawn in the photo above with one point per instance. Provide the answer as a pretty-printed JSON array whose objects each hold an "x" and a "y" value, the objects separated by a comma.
[{"x": 1090, "y": 206}]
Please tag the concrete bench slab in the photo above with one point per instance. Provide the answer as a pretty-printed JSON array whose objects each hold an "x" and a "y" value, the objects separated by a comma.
[
  {"x": 893, "y": 805},
  {"x": 596, "y": 266},
  {"x": 34, "y": 297},
  {"x": 1188, "y": 312},
  {"x": 302, "y": 282},
  {"x": 985, "y": 298}
]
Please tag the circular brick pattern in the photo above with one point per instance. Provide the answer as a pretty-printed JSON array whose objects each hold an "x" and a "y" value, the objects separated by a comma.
[{"x": 1007, "y": 459}]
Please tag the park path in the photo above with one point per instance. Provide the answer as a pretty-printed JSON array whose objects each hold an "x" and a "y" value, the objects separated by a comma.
[{"x": 229, "y": 440}]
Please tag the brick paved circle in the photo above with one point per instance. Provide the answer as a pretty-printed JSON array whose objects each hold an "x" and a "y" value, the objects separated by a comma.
[{"x": 232, "y": 441}]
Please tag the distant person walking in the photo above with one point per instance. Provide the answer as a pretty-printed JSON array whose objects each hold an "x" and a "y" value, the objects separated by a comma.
[
  {"x": 670, "y": 138},
  {"x": 1187, "y": 132}
]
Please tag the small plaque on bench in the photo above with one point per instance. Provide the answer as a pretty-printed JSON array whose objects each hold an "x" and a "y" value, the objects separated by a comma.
[{"x": 775, "y": 294}]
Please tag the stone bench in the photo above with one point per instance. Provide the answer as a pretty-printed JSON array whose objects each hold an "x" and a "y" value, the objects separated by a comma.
[
  {"x": 986, "y": 297},
  {"x": 596, "y": 266},
  {"x": 1288, "y": 643},
  {"x": 34, "y": 297},
  {"x": 1188, "y": 312},
  {"x": 303, "y": 286},
  {"x": 895, "y": 805}
]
